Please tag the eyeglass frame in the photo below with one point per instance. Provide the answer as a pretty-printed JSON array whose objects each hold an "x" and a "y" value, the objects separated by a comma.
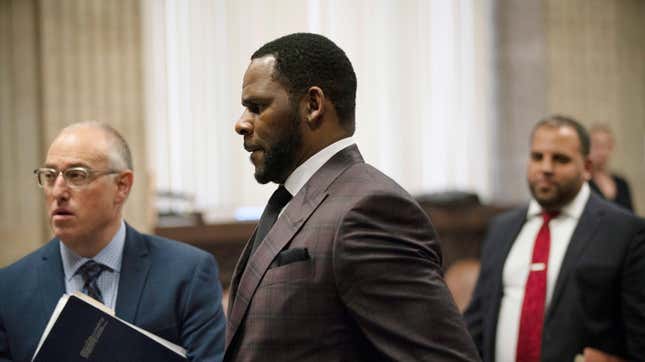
[{"x": 93, "y": 174}]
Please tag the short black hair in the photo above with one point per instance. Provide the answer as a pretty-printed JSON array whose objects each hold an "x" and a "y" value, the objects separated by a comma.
[
  {"x": 558, "y": 120},
  {"x": 304, "y": 60}
]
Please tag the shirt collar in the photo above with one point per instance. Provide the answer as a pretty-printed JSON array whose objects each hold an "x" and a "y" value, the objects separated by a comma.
[
  {"x": 573, "y": 209},
  {"x": 303, "y": 173},
  {"x": 111, "y": 255}
]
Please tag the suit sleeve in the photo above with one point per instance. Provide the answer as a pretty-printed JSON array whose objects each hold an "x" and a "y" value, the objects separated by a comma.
[
  {"x": 474, "y": 316},
  {"x": 203, "y": 321},
  {"x": 633, "y": 296},
  {"x": 387, "y": 267},
  {"x": 5, "y": 355},
  {"x": 474, "y": 313}
]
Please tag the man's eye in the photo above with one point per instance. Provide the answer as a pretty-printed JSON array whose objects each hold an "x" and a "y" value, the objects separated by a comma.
[
  {"x": 49, "y": 175},
  {"x": 561, "y": 159},
  {"x": 254, "y": 108},
  {"x": 76, "y": 175}
]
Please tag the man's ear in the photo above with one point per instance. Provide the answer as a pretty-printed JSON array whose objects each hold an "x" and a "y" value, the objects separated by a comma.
[
  {"x": 588, "y": 165},
  {"x": 124, "y": 182},
  {"x": 314, "y": 106}
]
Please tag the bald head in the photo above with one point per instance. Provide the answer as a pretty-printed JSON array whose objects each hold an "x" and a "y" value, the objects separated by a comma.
[
  {"x": 85, "y": 215},
  {"x": 117, "y": 149}
]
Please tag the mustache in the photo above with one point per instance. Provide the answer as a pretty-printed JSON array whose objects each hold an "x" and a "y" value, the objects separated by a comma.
[{"x": 249, "y": 147}]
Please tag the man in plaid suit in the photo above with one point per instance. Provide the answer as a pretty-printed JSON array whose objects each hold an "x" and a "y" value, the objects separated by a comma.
[{"x": 350, "y": 271}]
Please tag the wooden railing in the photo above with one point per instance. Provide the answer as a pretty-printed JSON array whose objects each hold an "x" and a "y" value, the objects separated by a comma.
[{"x": 460, "y": 231}]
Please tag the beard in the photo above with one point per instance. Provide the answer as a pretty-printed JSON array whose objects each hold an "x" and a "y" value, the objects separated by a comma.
[
  {"x": 558, "y": 197},
  {"x": 280, "y": 157}
]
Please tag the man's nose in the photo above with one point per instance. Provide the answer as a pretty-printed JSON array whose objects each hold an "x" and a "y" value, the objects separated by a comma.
[
  {"x": 244, "y": 124},
  {"x": 546, "y": 165},
  {"x": 60, "y": 189}
]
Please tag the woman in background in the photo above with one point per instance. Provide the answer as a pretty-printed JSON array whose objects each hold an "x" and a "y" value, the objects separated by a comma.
[{"x": 608, "y": 185}]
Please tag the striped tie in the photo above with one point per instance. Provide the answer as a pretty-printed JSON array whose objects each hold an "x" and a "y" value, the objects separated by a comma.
[{"x": 90, "y": 271}]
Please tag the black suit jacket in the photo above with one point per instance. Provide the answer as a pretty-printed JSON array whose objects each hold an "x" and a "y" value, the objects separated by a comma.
[
  {"x": 351, "y": 271},
  {"x": 599, "y": 295},
  {"x": 168, "y": 288}
]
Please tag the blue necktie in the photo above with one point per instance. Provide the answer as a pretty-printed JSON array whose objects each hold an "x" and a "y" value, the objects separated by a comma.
[{"x": 90, "y": 271}]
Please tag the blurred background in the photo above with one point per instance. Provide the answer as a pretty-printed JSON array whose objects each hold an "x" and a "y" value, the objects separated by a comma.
[{"x": 447, "y": 94}]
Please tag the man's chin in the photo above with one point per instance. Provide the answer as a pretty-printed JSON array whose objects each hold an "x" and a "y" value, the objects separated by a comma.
[
  {"x": 62, "y": 235},
  {"x": 261, "y": 179},
  {"x": 546, "y": 199},
  {"x": 260, "y": 174},
  {"x": 550, "y": 202}
]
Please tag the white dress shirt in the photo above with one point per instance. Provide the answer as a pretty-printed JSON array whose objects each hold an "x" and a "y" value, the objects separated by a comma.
[
  {"x": 516, "y": 268},
  {"x": 108, "y": 282},
  {"x": 303, "y": 173}
]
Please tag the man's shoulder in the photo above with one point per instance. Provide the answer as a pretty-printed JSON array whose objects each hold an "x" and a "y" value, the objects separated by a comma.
[
  {"x": 348, "y": 176},
  {"x": 363, "y": 189},
  {"x": 369, "y": 180},
  {"x": 616, "y": 216},
  {"x": 510, "y": 217},
  {"x": 160, "y": 246},
  {"x": 27, "y": 262}
]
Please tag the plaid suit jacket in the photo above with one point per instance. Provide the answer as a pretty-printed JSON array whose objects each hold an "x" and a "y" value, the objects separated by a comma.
[{"x": 367, "y": 288}]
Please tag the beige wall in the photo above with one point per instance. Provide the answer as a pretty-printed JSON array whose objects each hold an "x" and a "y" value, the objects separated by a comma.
[
  {"x": 584, "y": 58},
  {"x": 64, "y": 61},
  {"x": 69, "y": 60},
  {"x": 596, "y": 72},
  {"x": 521, "y": 92},
  {"x": 21, "y": 213}
]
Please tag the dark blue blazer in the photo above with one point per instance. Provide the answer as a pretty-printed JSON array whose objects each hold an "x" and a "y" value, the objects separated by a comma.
[
  {"x": 599, "y": 295},
  {"x": 166, "y": 287}
]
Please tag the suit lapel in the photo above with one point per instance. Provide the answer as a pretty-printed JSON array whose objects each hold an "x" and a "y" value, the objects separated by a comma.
[
  {"x": 134, "y": 271},
  {"x": 239, "y": 268},
  {"x": 304, "y": 203},
  {"x": 51, "y": 277},
  {"x": 584, "y": 231},
  {"x": 280, "y": 234}
]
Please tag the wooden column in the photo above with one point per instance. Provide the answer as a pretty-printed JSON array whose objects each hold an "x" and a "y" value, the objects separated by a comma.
[{"x": 521, "y": 92}]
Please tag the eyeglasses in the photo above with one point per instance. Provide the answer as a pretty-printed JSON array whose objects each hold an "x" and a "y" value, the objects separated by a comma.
[{"x": 73, "y": 176}]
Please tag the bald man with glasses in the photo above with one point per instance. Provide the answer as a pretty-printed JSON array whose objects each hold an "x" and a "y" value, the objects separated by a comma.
[{"x": 168, "y": 288}]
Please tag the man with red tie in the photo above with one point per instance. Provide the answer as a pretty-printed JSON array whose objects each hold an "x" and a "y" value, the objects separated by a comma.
[{"x": 565, "y": 275}]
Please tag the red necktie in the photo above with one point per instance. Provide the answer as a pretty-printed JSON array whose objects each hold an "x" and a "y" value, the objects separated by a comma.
[{"x": 529, "y": 341}]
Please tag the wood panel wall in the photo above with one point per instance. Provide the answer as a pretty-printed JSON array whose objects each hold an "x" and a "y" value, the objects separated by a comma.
[
  {"x": 583, "y": 58},
  {"x": 596, "y": 72},
  {"x": 62, "y": 62}
]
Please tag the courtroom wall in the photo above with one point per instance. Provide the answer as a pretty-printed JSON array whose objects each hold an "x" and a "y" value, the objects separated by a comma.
[
  {"x": 70, "y": 60},
  {"x": 63, "y": 62},
  {"x": 583, "y": 58}
]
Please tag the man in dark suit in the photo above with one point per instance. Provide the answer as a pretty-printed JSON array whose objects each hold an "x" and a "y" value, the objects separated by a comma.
[
  {"x": 350, "y": 271},
  {"x": 565, "y": 275},
  {"x": 165, "y": 287}
]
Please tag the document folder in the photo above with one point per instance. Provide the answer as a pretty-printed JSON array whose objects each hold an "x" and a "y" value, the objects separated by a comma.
[{"x": 82, "y": 329}]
